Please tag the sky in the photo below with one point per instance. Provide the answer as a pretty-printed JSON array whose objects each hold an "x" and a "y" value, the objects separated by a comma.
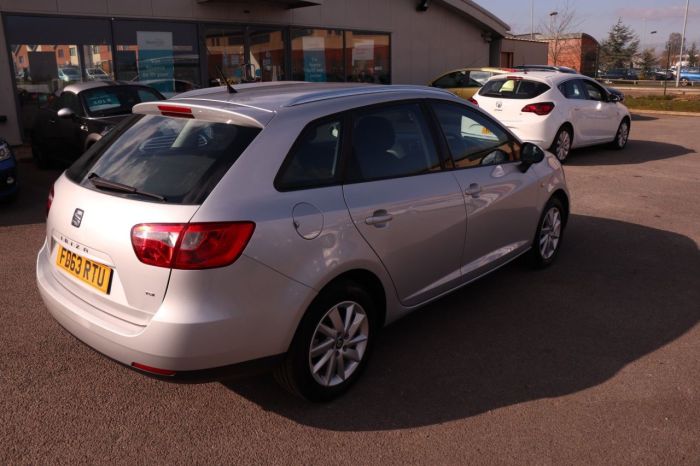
[{"x": 596, "y": 17}]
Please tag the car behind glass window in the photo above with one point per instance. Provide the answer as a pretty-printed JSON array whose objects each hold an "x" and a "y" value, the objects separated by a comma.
[
  {"x": 513, "y": 88},
  {"x": 177, "y": 158},
  {"x": 594, "y": 92},
  {"x": 391, "y": 142},
  {"x": 473, "y": 139},
  {"x": 313, "y": 160}
]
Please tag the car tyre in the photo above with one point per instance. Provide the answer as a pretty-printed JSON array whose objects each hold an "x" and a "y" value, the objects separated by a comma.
[
  {"x": 549, "y": 234},
  {"x": 622, "y": 135},
  {"x": 562, "y": 143},
  {"x": 332, "y": 343},
  {"x": 685, "y": 82}
]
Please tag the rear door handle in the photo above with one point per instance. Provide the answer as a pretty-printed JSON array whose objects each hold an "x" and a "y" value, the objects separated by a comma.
[
  {"x": 474, "y": 190},
  {"x": 379, "y": 218}
]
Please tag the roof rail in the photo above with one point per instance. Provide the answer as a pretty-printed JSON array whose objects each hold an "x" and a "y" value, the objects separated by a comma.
[{"x": 360, "y": 90}]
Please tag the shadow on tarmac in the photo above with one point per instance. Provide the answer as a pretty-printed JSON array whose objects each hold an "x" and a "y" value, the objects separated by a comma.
[
  {"x": 618, "y": 292},
  {"x": 636, "y": 152}
]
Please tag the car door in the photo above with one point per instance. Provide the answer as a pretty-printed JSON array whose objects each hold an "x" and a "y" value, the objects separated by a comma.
[
  {"x": 581, "y": 112},
  {"x": 501, "y": 201},
  {"x": 406, "y": 207},
  {"x": 603, "y": 115}
]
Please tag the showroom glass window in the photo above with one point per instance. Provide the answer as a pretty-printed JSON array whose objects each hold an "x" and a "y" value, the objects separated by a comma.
[
  {"x": 50, "y": 53},
  {"x": 162, "y": 55},
  {"x": 367, "y": 57},
  {"x": 317, "y": 55}
]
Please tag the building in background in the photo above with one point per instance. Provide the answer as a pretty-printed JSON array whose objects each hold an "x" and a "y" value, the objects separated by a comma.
[
  {"x": 519, "y": 51},
  {"x": 177, "y": 45},
  {"x": 576, "y": 50}
]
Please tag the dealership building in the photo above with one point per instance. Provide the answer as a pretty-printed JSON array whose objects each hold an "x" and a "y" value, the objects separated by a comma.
[{"x": 176, "y": 45}]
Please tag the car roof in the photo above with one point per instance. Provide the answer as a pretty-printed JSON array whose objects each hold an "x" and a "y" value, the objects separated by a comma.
[{"x": 273, "y": 96}]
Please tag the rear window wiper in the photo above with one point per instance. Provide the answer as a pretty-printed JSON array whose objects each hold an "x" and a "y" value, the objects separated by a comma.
[{"x": 102, "y": 183}]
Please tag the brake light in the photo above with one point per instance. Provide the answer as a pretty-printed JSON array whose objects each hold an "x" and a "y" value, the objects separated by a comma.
[
  {"x": 542, "y": 108},
  {"x": 175, "y": 111},
  {"x": 49, "y": 201},
  {"x": 153, "y": 370},
  {"x": 190, "y": 245},
  {"x": 514, "y": 78},
  {"x": 473, "y": 100}
]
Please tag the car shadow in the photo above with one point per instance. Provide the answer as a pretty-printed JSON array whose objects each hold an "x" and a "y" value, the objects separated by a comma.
[
  {"x": 640, "y": 117},
  {"x": 637, "y": 151},
  {"x": 34, "y": 184},
  {"x": 618, "y": 292}
]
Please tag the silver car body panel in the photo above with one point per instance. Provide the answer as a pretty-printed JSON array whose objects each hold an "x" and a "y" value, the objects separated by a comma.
[{"x": 439, "y": 239}]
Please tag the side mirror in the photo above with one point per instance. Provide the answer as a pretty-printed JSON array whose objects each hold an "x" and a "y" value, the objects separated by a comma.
[
  {"x": 530, "y": 154},
  {"x": 614, "y": 98},
  {"x": 66, "y": 113}
]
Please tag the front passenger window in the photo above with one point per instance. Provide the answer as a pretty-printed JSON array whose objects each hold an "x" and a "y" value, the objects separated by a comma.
[
  {"x": 594, "y": 91},
  {"x": 473, "y": 139}
]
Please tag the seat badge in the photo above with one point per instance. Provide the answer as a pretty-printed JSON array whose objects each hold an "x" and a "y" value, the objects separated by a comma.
[{"x": 77, "y": 218}]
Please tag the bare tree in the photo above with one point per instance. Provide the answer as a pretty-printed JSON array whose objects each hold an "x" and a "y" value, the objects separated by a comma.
[{"x": 557, "y": 28}]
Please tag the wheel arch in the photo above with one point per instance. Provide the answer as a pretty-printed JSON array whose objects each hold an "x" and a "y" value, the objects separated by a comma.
[
  {"x": 368, "y": 281},
  {"x": 560, "y": 195}
]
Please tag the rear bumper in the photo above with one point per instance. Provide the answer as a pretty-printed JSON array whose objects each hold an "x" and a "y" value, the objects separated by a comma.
[
  {"x": 540, "y": 132},
  {"x": 231, "y": 330}
]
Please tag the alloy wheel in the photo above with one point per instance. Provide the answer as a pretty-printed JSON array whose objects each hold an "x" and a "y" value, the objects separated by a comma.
[
  {"x": 550, "y": 232},
  {"x": 339, "y": 343},
  {"x": 623, "y": 134},
  {"x": 563, "y": 145}
]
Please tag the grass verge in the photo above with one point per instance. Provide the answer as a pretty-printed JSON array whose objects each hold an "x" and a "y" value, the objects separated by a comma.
[{"x": 672, "y": 103}]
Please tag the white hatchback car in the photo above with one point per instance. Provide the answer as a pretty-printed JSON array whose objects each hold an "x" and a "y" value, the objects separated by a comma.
[{"x": 559, "y": 111}]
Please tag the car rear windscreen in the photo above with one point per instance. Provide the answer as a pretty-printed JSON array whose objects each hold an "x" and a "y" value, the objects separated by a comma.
[
  {"x": 178, "y": 159},
  {"x": 513, "y": 88},
  {"x": 116, "y": 100}
]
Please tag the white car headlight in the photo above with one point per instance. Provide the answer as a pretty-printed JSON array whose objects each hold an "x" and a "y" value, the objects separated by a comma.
[{"x": 4, "y": 151}]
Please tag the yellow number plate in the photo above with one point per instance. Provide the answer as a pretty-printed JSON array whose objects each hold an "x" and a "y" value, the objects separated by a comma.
[{"x": 93, "y": 273}]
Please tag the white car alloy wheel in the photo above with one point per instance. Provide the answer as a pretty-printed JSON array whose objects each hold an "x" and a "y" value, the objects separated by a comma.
[
  {"x": 550, "y": 232},
  {"x": 622, "y": 134},
  {"x": 562, "y": 144},
  {"x": 338, "y": 343}
]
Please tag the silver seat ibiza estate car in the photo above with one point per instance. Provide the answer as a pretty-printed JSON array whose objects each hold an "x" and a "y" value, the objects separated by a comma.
[{"x": 281, "y": 226}]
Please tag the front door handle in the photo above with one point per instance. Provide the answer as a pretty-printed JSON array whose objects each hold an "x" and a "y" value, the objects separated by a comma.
[
  {"x": 52, "y": 121},
  {"x": 474, "y": 190},
  {"x": 379, "y": 218}
]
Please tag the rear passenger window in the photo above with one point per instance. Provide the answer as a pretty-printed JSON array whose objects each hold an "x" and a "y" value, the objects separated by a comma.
[
  {"x": 572, "y": 90},
  {"x": 313, "y": 160},
  {"x": 473, "y": 139},
  {"x": 391, "y": 142},
  {"x": 513, "y": 88}
]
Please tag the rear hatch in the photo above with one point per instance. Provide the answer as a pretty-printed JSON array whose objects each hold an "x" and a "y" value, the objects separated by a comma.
[
  {"x": 505, "y": 98},
  {"x": 153, "y": 169}
]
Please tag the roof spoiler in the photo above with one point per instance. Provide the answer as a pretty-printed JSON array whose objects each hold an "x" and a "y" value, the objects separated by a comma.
[{"x": 241, "y": 116}]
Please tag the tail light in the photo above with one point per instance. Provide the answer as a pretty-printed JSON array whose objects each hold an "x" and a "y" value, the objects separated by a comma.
[
  {"x": 542, "y": 108},
  {"x": 175, "y": 111},
  {"x": 473, "y": 100},
  {"x": 49, "y": 201},
  {"x": 190, "y": 245},
  {"x": 153, "y": 370}
]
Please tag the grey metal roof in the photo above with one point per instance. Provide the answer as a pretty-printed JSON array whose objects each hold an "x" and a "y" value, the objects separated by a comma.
[{"x": 273, "y": 96}]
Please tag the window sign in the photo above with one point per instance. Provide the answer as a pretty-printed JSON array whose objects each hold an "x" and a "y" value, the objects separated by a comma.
[
  {"x": 155, "y": 55},
  {"x": 363, "y": 50},
  {"x": 98, "y": 101},
  {"x": 314, "y": 58}
]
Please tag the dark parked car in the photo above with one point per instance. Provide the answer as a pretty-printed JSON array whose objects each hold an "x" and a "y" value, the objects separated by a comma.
[
  {"x": 8, "y": 172},
  {"x": 663, "y": 75},
  {"x": 621, "y": 73},
  {"x": 78, "y": 118}
]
